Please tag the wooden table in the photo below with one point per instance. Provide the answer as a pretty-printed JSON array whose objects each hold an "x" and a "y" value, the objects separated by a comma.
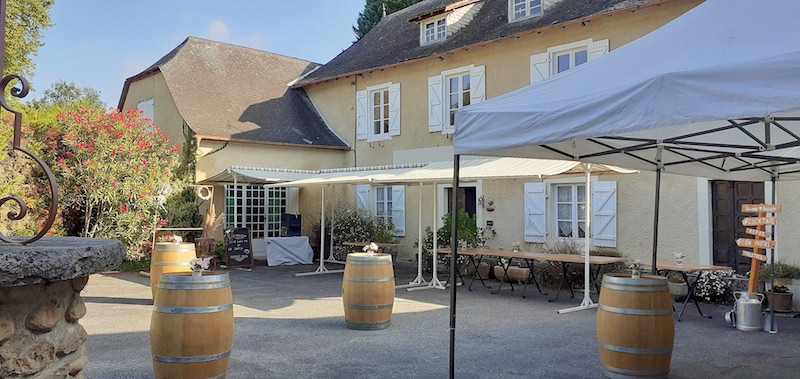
[
  {"x": 567, "y": 259},
  {"x": 564, "y": 259},
  {"x": 665, "y": 267}
]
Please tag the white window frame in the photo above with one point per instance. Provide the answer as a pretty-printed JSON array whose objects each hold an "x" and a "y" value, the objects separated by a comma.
[
  {"x": 366, "y": 197},
  {"x": 365, "y": 112},
  {"x": 382, "y": 195},
  {"x": 146, "y": 106},
  {"x": 575, "y": 213},
  {"x": 442, "y": 200},
  {"x": 438, "y": 30},
  {"x": 605, "y": 209},
  {"x": 461, "y": 78},
  {"x": 552, "y": 202},
  {"x": 526, "y": 9},
  {"x": 255, "y": 198},
  {"x": 545, "y": 65},
  {"x": 439, "y": 99}
]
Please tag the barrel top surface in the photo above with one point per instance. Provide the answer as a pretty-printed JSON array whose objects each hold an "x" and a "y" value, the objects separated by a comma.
[
  {"x": 186, "y": 276},
  {"x": 618, "y": 278},
  {"x": 171, "y": 246},
  {"x": 367, "y": 257}
]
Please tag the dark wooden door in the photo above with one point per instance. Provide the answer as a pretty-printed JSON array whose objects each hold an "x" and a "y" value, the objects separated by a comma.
[{"x": 726, "y": 200}]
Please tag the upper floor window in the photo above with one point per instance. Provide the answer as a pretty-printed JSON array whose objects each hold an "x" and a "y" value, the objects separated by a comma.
[
  {"x": 458, "y": 91},
  {"x": 568, "y": 59},
  {"x": 558, "y": 59},
  {"x": 147, "y": 110},
  {"x": 521, "y": 9},
  {"x": 452, "y": 90},
  {"x": 378, "y": 112},
  {"x": 433, "y": 30}
]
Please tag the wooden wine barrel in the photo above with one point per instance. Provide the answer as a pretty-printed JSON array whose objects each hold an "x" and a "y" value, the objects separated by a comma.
[
  {"x": 191, "y": 329},
  {"x": 635, "y": 326},
  {"x": 368, "y": 291},
  {"x": 169, "y": 257}
]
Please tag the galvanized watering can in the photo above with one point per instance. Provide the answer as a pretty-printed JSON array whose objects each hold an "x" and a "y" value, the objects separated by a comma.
[{"x": 746, "y": 312}]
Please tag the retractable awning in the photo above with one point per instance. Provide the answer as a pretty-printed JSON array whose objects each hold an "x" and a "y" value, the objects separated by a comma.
[
  {"x": 257, "y": 175},
  {"x": 439, "y": 172}
]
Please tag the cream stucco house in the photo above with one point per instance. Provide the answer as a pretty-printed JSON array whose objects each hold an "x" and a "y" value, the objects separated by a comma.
[{"x": 389, "y": 100}]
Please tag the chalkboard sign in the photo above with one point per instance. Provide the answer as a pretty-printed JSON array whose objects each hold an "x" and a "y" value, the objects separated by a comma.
[{"x": 238, "y": 249}]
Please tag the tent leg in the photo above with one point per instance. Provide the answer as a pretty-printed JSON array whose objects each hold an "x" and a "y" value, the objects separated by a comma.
[
  {"x": 587, "y": 302},
  {"x": 419, "y": 281},
  {"x": 773, "y": 328},
  {"x": 331, "y": 258},
  {"x": 453, "y": 267},
  {"x": 321, "y": 269},
  {"x": 654, "y": 270},
  {"x": 435, "y": 282}
]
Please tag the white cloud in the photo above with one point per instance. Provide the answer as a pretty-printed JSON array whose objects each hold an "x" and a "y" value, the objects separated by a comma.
[{"x": 217, "y": 31}]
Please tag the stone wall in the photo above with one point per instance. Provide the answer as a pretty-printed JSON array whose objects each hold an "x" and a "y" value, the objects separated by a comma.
[
  {"x": 39, "y": 330},
  {"x": 40, "y": 304}
]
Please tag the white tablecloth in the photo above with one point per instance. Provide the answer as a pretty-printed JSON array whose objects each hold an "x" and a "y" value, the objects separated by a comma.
[{"x": 288, "y": 250}]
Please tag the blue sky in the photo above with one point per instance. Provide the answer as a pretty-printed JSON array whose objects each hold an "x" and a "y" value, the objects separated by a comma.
[{"x": 99, "y": 43}]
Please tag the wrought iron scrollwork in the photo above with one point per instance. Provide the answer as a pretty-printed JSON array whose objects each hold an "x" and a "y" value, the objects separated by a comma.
[{"x": 16, "y": 145}]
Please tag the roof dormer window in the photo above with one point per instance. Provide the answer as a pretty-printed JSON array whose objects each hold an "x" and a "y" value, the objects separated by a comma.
[
  {"x": 433, "y": 30},
  {"x": 522, "y": 9}
]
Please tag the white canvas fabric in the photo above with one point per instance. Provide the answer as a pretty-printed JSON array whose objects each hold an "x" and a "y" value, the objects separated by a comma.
[{"x": 723, "y": 60}]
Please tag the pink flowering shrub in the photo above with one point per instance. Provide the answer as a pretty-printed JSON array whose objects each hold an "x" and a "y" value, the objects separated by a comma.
[{"x": 113, "y": 168}]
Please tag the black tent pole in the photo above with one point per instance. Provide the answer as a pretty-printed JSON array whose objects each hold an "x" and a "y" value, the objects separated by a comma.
[
  {"x": 659, "y": 167},
  {"x": 453, "y": 268}
]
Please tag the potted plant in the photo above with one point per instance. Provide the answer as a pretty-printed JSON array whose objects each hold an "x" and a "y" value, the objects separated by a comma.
[
  {"x": 780, "y": 298},
  {"x": 678, "y": 288}
]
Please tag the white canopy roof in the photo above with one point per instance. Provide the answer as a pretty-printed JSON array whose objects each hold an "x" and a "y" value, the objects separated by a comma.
[
  {"x": 729, "y": 60},
  {"x": 441, "y": 172}
]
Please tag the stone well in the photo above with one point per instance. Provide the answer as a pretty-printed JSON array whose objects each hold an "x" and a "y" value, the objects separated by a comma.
[{"x": 40, "y": 304}]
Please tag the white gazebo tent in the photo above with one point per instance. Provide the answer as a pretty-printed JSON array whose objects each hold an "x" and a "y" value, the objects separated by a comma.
[
  {"x": 656, "y": 103},
  {"x": 438, "y": 172}
]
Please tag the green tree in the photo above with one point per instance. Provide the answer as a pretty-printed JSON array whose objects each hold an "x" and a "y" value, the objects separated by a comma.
[
  {"x": 25, "y": 21},
  {"x": 116, "y": 170},
  {"x": 69, "y": 96},
  {"x": 373, "y": 12}
]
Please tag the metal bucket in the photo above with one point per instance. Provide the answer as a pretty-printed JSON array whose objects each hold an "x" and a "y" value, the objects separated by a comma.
[{"x": 747, "y": 311}]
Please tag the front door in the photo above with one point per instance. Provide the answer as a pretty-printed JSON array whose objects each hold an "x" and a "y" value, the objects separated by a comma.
[{"x": 726, "y": 200}]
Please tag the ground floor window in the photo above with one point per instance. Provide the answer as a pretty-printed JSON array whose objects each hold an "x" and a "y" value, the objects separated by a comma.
[
  {"x": 256, "y": 208},
  {"x": 571, "y": 210},
  {"x": 383, "y": 203}
]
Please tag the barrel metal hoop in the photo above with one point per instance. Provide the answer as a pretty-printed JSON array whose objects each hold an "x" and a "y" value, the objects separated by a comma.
[
  {"x": 634, "y": 311},
  {"x": 169, "y": 263},
  {"x": 210, "y": 278},
  {"x": 656, "y": 288},
  {"x": 368, "y": 307},
  {"x": 194, "y": 310},
  {"x": 371, "y": 262},
  {"x": 197, "y": 359},
  {"x": 368, "y": 325},
  {"x": 211, "y": 286},
  {"x": 649, "y": 280},
  {"x": 633, "y": 350},
  {"x": 614, "y": 373},
  {"x": 369, "y": 280}
]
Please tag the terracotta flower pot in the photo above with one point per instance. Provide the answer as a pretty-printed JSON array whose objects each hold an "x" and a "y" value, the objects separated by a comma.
[{"x": 780, "y": 301}]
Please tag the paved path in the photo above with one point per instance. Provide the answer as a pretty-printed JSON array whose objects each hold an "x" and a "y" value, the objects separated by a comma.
[{"x": 293, "y": 327}]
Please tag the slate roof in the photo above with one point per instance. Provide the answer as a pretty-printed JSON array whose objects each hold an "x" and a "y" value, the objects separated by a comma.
[
  {"x": 230, "y": 92},
  {"x": 395, "y": 39}
]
